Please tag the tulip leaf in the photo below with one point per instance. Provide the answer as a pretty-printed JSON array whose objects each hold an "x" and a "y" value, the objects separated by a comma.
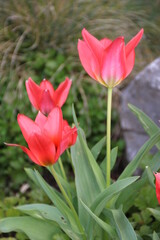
[
  {"x": 149, "y": 126},
  {"x": 66, "y": 185},
  {"x": 129, "y": 194},
  {"x": 31, "y": 175},
  {"x": 124, "y": 228},
  {"x": 132, "y": 166},
  {"x": 155, "y": 236},
  {"x": 35, "y": 229},
  {"x": 114, "y": 153},
  {"x": 89, "y": 178},
  {"x": 150, "y": 176},
  {"x": 96, "y": 149},
  {"x": 44, "y": 211},
  {"x": 155, "y": 213},
  {"x": 101, "y": 200},
  {"x": 53, "y": 196},
  {"x": 107, "y": 228},
  {"x": 96, "y": 171}
]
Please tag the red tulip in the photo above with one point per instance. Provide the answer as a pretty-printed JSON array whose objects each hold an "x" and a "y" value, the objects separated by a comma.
[
  {"x": 106, "y": 61},
  {"x": 47, "y": 137},
  {"x": 44, "y": 97},
  {"x": 157, "y": 175}
]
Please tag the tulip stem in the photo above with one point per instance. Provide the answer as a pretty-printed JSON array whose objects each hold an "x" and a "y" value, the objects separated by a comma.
[
  {"x": 67, "y": 200},
  {"x": 62, "y": 168},
  {"x": 70, "y": 159},
  {"x": 108, "y": 138}
]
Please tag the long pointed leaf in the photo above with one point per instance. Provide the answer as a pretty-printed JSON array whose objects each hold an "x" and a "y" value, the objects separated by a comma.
[
  {"x": 48, "y": 212},
  {"x": 100, "y": 202},
  {"x": 155, "y": 236},
  {"x": 100, "y": 222},
  {"x": 98, "y": 147},
  {"x": 54, "y": 197},
  {"x": 35, "y": 229},
  {"x": 132, "y": 166},
  {"x": 123, "y": 226},
  {"x": 155, "y": 213},
  {"x": 149, "y": 126}
]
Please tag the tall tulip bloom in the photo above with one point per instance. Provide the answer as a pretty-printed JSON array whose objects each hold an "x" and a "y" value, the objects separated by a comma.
[
  {"x": 44, "y": 97},
  {"x": 157, "y": 175},
  {"x": 47, "y": 137},
  {"x": 106, "y": 61}
]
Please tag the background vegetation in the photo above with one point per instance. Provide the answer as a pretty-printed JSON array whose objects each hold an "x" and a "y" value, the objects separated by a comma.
[{"x": 38, "y": 39}]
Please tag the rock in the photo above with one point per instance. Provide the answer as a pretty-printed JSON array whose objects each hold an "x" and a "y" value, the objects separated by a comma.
[{"x": 144, "y": 93}]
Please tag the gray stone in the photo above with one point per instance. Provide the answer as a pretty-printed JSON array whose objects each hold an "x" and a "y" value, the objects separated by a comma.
[{"x": 144, "y": 93}]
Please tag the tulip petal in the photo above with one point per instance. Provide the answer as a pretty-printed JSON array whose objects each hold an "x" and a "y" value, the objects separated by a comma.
[
  {"x": 27, "y": 151},
  {"x": 43, "y": 148},
  {"x": 106, "y": 42},
  {"x": 46, "y": 102},
  {"x": 27, "y": 126},
  {"x": 157, "y": 175},
  {"x": 130, "y": 62},
  {"x": 45, "y": 84},
  {"x": 94, "y": 44},
  {"x": 40, "y": 119},
  {"x": 69, "y": 137},
  {"x": 88, "y": 60},
  {"x": 62, "y": 92},
  {"x": 34, "y": 93},
  {"x": 114, "y": 63},
  {"x": 53, "y": 125},
  {"x": 134, "y": 42}
]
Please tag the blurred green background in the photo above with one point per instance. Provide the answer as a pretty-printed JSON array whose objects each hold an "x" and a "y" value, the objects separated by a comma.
[{"x": 38, "y": 39}]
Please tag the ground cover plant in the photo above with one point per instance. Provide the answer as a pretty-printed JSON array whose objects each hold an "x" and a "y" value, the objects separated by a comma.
[{"x": 95, "y": 206}]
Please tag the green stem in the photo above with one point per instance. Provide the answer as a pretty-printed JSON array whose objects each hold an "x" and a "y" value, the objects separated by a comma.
[
  {"x": 67, "y": 200},
  {"x": 108, "y": 139},
  {"x": 64, "y": 175},
  {"x": 70, "y": 159},
  {"x": 62, "y": 168}
]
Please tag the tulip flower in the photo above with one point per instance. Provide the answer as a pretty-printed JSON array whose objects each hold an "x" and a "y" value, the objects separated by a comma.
[
  {"x": 157, "y": 175},
  {"x": 106, "y": 61},
  {"x": 44, "y": 97},
  {"x": 47, "y": 137}
]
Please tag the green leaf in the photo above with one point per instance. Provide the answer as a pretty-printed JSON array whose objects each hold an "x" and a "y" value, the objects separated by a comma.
[
  {"x": 150, "y": 176},
  {"x": 98, "y": 147},
  {"x": 44, "y": 211},
  {"x": 127, "y": 196},
  {"x": 155, "y": 236},
  {"x": 35, "y": 229},
  {"x": 101, "y": 200},
  {"x": 132, "y": 166},
  {"x": 85, "y": 165},
  {"x": 155, "y": 213},
  {"x": 54, "y": 197},
  {"x": 100, "y": 222},
  {"x": 31, "y": 175},
  {"x": 66, "y": 185},
  {"x": 124, "y": 228},
  {"x": 89, "y": 178},
  {"x": 149, "y": 126},
  {"x": 114, "y": 153}
]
